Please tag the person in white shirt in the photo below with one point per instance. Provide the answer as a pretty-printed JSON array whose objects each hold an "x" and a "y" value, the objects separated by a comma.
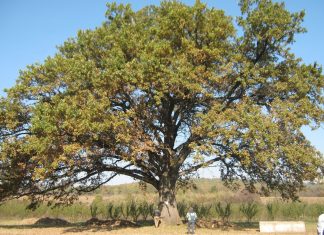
[
  {"x": 191, "y": 217},
  {"x": 320, "y": 225}
]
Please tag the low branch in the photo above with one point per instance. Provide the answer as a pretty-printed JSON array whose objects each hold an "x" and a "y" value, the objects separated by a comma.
[
  {"x": 196, "y": 167},
  {"x": 134, "y": 173}
]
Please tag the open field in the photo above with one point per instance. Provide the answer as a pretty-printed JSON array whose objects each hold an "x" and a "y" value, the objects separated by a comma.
[
  {"x": 15, "y": 219},
  {"x": 309, "y": 200},
  {"x": 26, "y": 227}
]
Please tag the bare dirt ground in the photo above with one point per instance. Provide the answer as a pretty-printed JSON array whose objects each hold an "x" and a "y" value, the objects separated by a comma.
[{"x": 28, "y": 227}]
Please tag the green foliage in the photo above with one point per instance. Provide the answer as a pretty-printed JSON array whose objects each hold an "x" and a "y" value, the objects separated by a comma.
[
  {"x": 95, "y": 206},
  {"x": 151, "y": 210},
  {"x": 135, "y": 210},
  {"x": 110, "y": 208},
  {"x": 182, "y": 209},
  {"x": 272, "y": 210},
  {"x": 224, "y": 211},
  {"x": 146, "y": 209},
  {"x": 75, "y": 212},
  {"x": 126, "y": 210},
  {"x": 55, "y": 211},
  {"x": 114, "y": 211},
  {"x": 203, "y": 211},
  {"x": 117, "y": 212},
  {"x": 14, "y": 208},
  {"x": 312, "y": 211},
  {"x": 249, "y": 210},
  {"x": 294, "y": 210},
  {"x": 94, "y": 210},
  {"x": 307, "y": 211}
]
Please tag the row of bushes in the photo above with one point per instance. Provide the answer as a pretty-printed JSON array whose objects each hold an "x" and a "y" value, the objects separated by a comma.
[
  {"x": 135, "y": 210},
  {"x": 129, "y": 210},
  {"x": 224, "y": 211},
  {"x": 252, "y": 211}
]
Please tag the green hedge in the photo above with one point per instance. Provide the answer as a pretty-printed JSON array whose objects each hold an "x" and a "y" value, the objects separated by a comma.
[{"x": 142, "y": 210}]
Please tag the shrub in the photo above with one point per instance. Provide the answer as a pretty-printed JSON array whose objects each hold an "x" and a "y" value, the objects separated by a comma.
[
  {"x": 94, "y": 210},
  {"x": 182, "y": 209},
  {"x": 272, "y": 209},
  {"x": 224, "y": 211},
  {"x": 313, "y": 211},
  {"x": 203, "y": 211},
  {"x": 144, "y": 210},
  {"x": 117, "y": 209},
  {"x": 109, "y": 210},
  {"x": 126, "y": 208},
  {"x": 135, "y": 211},
  {"x": 294, "y": 210},
  {"x": 75, "y": 212},
  {"x": 151, "y": 209},
  {"x": 249, "y": 210},
  {"x": 95, "y": 206}
]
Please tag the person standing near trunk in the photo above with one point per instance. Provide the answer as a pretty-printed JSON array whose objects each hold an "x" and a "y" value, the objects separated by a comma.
[
  {"x": 191, "y": 217},
  {"x": 157, "y": 217}
]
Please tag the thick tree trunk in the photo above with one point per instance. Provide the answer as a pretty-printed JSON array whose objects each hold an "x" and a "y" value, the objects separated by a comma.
[{"x": 168, "y": 204}]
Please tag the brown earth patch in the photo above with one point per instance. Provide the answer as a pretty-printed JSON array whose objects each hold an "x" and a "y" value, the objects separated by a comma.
[
  {"x": 213, "y": 224},
  {"x": 110, "y": 223},
  {"x": 47, "y": 221}
]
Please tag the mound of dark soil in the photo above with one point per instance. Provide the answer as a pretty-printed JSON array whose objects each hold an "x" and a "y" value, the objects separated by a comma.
[
  {"x": 211, "y": 224},
  {"x": 94, "y": 221},
  {"x": 124, "y": 224},
  {"x": 110, "y": 223},
  {"x": 51, "y": 222}
]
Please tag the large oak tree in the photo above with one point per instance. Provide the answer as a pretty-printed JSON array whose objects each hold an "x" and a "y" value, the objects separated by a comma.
[{"x": 159, "y": 93}]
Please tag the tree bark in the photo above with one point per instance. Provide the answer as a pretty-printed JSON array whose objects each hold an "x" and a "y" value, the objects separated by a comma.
[{"x": 167, "y": 201}]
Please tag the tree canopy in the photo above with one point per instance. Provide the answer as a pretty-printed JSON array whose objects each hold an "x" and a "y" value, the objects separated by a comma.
[{"x": 158, "y": 93}]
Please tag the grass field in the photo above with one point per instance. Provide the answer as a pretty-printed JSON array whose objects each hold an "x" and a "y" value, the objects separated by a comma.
[
  {"x": 15, "y": 219},
  {"x": 26, "y": 227}
]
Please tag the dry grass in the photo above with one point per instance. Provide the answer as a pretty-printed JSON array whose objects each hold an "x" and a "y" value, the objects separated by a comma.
[
  {"x": 309, "y": 200},
  {"x": 25, "y": 227}
]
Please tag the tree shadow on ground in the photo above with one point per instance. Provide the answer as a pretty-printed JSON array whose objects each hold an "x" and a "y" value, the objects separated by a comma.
[
  {"x": 93, "y": 225},
  {"x": 45, "y": 222},
  {"x": 219, "y": 225},
  {"x": 246, "y": 225},
  {"x": 31, "y": 226}
]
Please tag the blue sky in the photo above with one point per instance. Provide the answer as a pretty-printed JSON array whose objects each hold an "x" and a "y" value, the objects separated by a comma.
[{"x": 31, "y": 30}]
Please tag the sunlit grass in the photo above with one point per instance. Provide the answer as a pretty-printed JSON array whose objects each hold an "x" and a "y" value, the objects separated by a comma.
[{"x": 25, "y": 227}]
